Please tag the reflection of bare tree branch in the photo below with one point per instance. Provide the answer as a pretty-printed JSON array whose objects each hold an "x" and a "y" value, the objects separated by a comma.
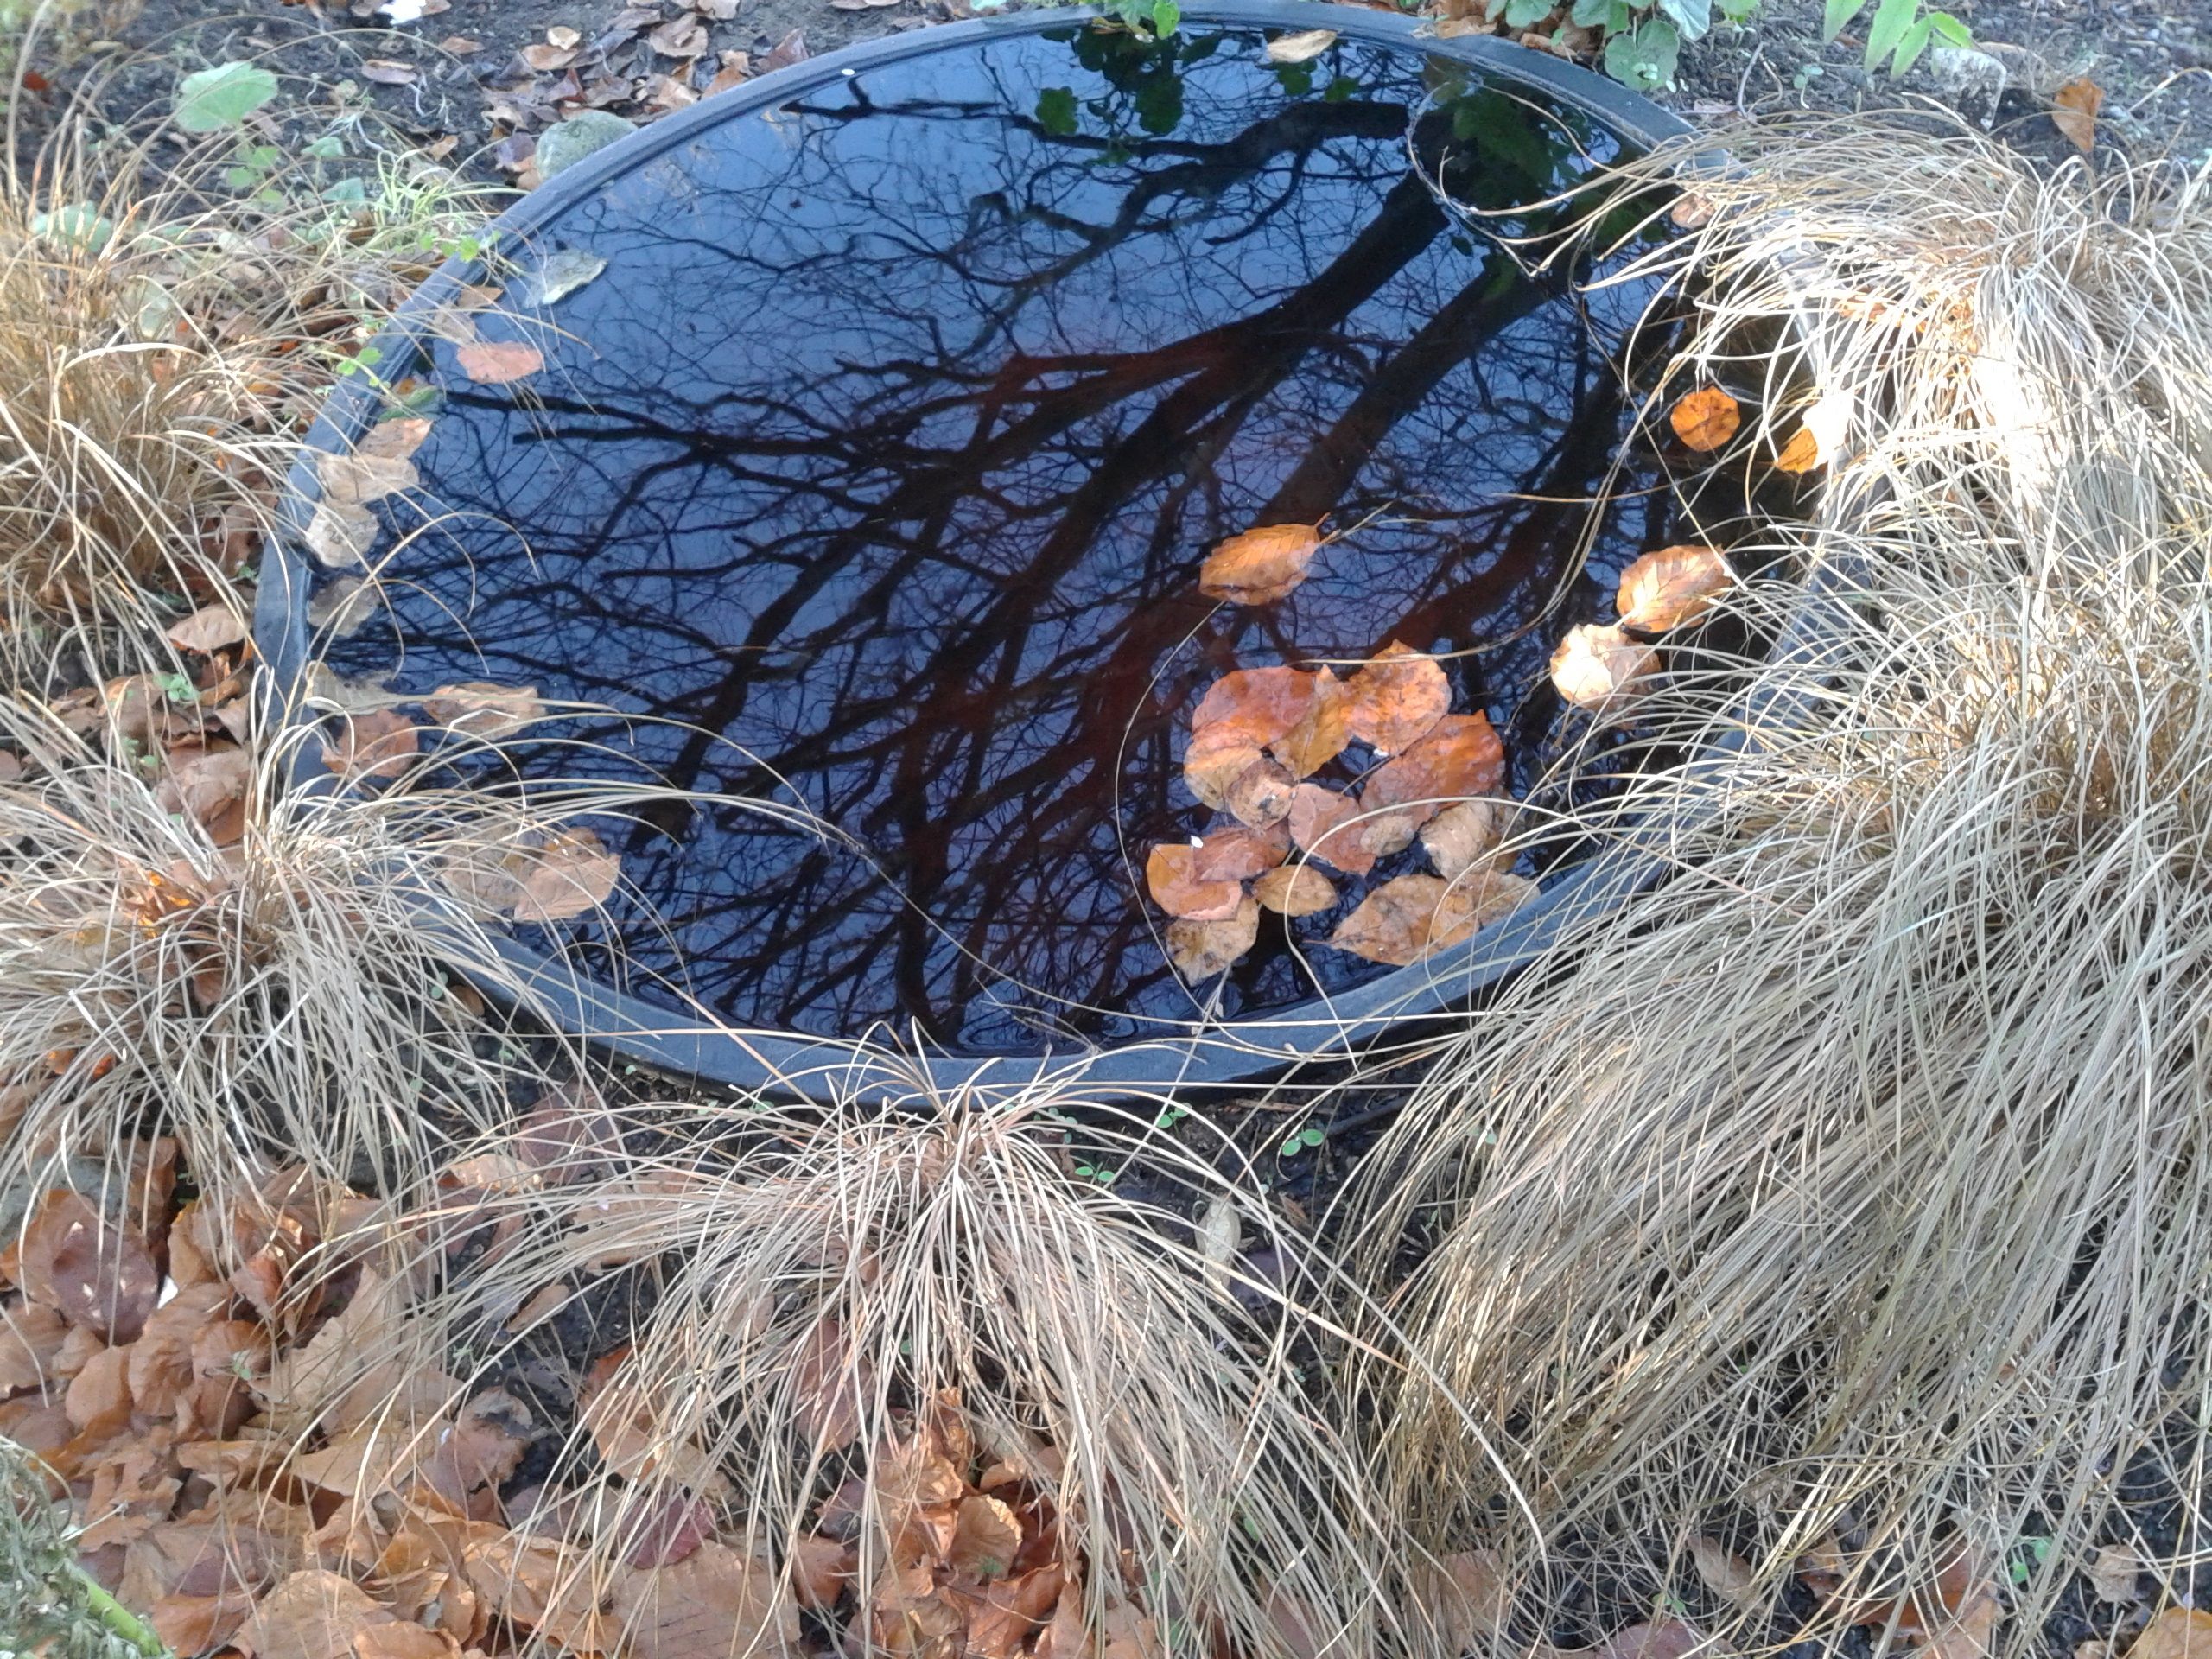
[{"x": 902, "y": 487}]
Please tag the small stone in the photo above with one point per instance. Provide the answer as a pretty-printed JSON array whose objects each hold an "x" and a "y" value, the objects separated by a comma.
[{"x": 568, "y": 142}]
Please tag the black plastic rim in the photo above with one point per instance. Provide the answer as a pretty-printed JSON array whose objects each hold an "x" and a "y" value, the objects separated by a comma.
[{"x": 876, "y": 1066}]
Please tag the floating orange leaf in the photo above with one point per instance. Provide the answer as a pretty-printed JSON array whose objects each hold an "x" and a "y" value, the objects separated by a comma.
[
  {"x": 1412, "y": 916},
  {"x": 572, "y": 872},
  {"x": 1459, "y": 758},
  {"x": 1260, "y": 795},
  {"x": 495, "y": 362},
  {"x": 1171, "y": 876},
  {"x": 1218, "y": 757},
  {"x": 1295, "y": 890},
  {"x": 1260, "y": 566},
  {"x": 1397, "y": 698},
  {"x": 1321, "y": 734},
  {"x": 1818, "y": 437},
  {"x": 1240, "y": 852},
  {"x": 1258, "y": 705},
  {"x": 1601, "y": 669},
  {"x": 1201, "y": 949},
  {"x": 1460, "y": 838},
  {"x": 1320, "y": 821},
  {"x": 1672, "y": 587},
  {"x": 1705, "y": 419},
  {"x": 482, "y": 709}
]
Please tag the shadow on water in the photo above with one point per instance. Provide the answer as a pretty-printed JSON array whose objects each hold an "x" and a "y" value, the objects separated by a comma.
[{"x": 888, "y": 445}]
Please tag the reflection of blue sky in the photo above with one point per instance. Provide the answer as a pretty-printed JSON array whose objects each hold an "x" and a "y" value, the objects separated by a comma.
[{"x": 850, "y": 455}]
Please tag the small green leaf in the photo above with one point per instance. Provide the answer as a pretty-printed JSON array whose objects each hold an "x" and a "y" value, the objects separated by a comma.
[
  {"x": 208, "y": 100},
  {"x": 79, "y": 227},
  {"x": 1950, "y": 30},
  {"x": 1692, "y": 18},
  {"x": 1526, "y": 14},
  {"x": 1739, "y": 12},
  {"x": 1056, "y": 111},
  {"x": 1165, "y": 14},
  {"x": 328, "y": 148},
  {"x": 1592, "y": 14},
  {"x": 1837, "y": 17},
  {"x": 1340, "y": 89},
  {"x": 1911, "y": 47},
  {"x": 1645, "y": 57},
  {"x": 1313, "y": 1136},
  {"x": 1293, "y": 1147},
  {"x": 1892, "y": 19}
]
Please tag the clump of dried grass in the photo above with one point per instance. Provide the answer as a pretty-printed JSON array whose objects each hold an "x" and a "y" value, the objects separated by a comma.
[
  {"x": 1849, "y": 1194},
  {"x": 279, "y": 996},
  {"x": 882, "y": 1304}
]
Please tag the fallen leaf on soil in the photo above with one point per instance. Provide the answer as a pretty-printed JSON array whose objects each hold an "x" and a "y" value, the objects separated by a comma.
[
  {"x": 1820, "y": 435},
  {"x": 97, "y": 1399},
  {"x": 1705, "y": 419},
  {"x": 820, "y": 1568},
  {"x": 1412, "y": 916},
  {"x": 1466, "y": 1598},
  {"x": 786, "y": 52},
  {"x": 1260, "y": 566},
  {"x": 548, "y": 57},
  {"x": 985, "y": 1540},
  {"x": 831, "y": 1383},
  {"x": 312, "y": 1615},
  {"x": 1323, "y": 824},
  {"x": 388, "y": 71},
  {"x": 1239, "y": 853},
  {"x": 94, "y": 1274},
  {"x": 1460, "y": 758},
  {"x": 680, "y": 37},
  {"x": 480, "y": 709},
  {"x": 1305, "y": 44},
  {"x": 1295, "y": 890},
  {"x": 1668, "y": 1639},
  {"x": 1397, "y": 698},
  {"x": 2074, "y": 111},
  {"x": 1726, "y": 1575},
  {"x": 572, "y": 875},
  {"x": 355, "y": 481},
  {"x": 210, "y": 629},
  {"x": 29, "y": 1336},
  {"x": 495, "y": 362},
  {"x": 2113, "y": 1573},
  {"x": 209, "y": 787},
  {"x": 1460, "y": 838},
  {"x": 1600, "y": 668},
  {"x": 1171, "y": 876},
  {"x": 2177, "y": 1633},
  {"x": 403, "y": 1639},
  {"x": 1201, "y": 949},
  {"x": 1261, "y": 794},
  {"x": 545, "y": 1585},
  {"x": 1672, "y": 587},
  {"x": 711, "y": 1605},
  {"x": 1320, "y": 735},
  {"x": 341, "y": 535}
]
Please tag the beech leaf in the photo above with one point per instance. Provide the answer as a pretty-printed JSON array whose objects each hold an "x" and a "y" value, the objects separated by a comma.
[
  {"x": 1396, "y": 698},
  {"x": 2074, "y": 111},
  {"x": 1260, "y": 795},
  {"x": 1240, "y": 852},
  {"x": 1260, "y": 566},
  {"x": 355, "y": 481},
  {"x": 394, "y": 439},
  {"x": 1218, "y": 757},
  {"x": 341, "y": 533},
  {"x": 572, "y": 873},
  {"x": 1601, "y": 669},
  {"x": 1321, "y": 734},
  {"x": 210, "y": 629},
  {"x": 1412, "y": 917},
  {"x": 1705, "y": 419},
  {"x": 482, "y": 709},
  {"x": 1459, "y": 758},
  {"x": 1304, "y": 45},
  {"x": 1259, "y": 705},
  {"x": 1320, "y": 821},
  {"x": 1295, "y": 890},
  {"x": 1171, "y": 875},
  {"x": 495, "y": 362},
  {"x": 1460, "y": 838},
  {"x": 1672, "y": 587},
  {"x": 1201, "y": 949}
]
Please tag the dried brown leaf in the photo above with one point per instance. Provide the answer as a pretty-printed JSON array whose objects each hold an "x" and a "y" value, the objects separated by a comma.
[
  {"x": 495, "y": 362},
  {"x": 1412, "y": 916},
  {"x": 1397, "y": 698},
  {"x": 1705, "y": 419},
  {"x": 1460, "y": 838},
  {"x": 1240, "y": 852},
  {"x": 1321, "y": 734},
  {"x": 2113, "y": 1573},
  {"x": 481, "y": 709},
  {"x": 985, "y": 1541},
  {"x": 2177, "y": 1633},
  {"x": 1260, "y": 566},
  {"x": 570, "y": 875},
  {"x": 1323, "y": 825},
  {"x": 1465, "y": 1598},
  {"x": 1218, "y": 757},
  {"x": 356, "y": 479},
  {"x": 1728, "y": 1576},
  {"x": 710, "y": 1605},
  {"x": 1201, "y": 949},
  {"x": 1670, "y": 588},
  {"x": 382, "y": 743},
  {"x": 1295, "y": 890},
  {"x": 2074, "y": 111},
  {"x": 1258, "y": 705},
  {"x": 209, "y": 629},
  {"x": 1171, "y": 876},
  {"x": 1601, "y": 669},
  {"x": 1459, "y": 758},
  {"x": 96, "y": 1275},
  {"x": 342, "y": 535},
  {"x": 1298, "y": 48},
  {"x": 396, "y": 439},
  {"x": 312, "y": 1615},
  {"x": 1260, "y": 795}
]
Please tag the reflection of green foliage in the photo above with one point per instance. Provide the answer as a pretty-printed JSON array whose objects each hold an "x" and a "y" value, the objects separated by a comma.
[
  {"x": 1055, "y": 111},
  {"x": 1144, "y": 76}
]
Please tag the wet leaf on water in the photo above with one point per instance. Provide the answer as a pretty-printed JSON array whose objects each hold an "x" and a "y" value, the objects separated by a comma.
[
  {"x": 1304, "y": 45},
  {"x": 495, "y": 362},
  {"x": 394, "y": 439},
  {"x": 342, "y": 607},
  {"x": 1171, "y": 876},
  {"x": 1218, "y": 757},
  {"x": 1397, "y": 698},
  {"x": 1260, "y": 795},
  {"x": 1459, "y": 758},
  {"x": 2074, "y": 111},
  {"x": 1259, "y": 566},
  {"x": 356, "y": 479},
  {"x": 1320, "y": 824},
  {"x": 1260, "y": 705},
  {"x": 210, "y": 629},
  {"x": 1820, "y": 437},
  {"x": 1670, "y": 588},
  {"x": 1295, "y": 890},
  {"x": 1320, "y": 734},
  {"x": 1705, "y": 419},
  {"x": 1460, "y": 838},
  {"x": 573, "y": 873},
  {"x": 342, "y": 535},
  {"x": 1412, "y": 916},
  {"x": 561, "y": 274},
  {"x": 1201, "y": 949},
  {"x": 1240, "y": 852},
  {"x": 1601, "y": 669},
  {"x": 381, "y": 744},
  {"x": 482, "y": 709}
]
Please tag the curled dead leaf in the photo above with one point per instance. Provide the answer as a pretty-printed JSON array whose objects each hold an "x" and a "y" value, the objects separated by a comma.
[
  {"x": 1171, "y": 876},
  {"x": 1671, "y": 588},
  {"x": 1601, "y": 669},
  {"x": 1706, "y": 418},
  {"x": 1295, "y": 890},
  {"x": 480, "y": 708},
  {"x": 1397, "y": 698},
  {"x": 1460, "y": 757},
  {"x": 2074, "y": 111},
  {"x": 341, "y": 534},
  {"x": 210, "y": 629},
  {"x": 1412, "y": 917},
  {"x": 1460, "y": 838},
  {"x": 1201, "y": 949},
  {"x": 356, "y": 479},
  {"x": 381, "y": 744},
  {"x": 1260, "y": 566},
  {"x": 1301, "y": 46},
  {"x": 396, "y": 439}
]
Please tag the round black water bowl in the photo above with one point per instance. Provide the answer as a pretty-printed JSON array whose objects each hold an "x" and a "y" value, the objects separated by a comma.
[{"x": 889, "y": 405}]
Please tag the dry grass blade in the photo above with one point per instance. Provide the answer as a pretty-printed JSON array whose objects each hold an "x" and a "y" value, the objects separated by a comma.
[
  {"x": 834, "y": 1295},
  {"x": 1857, "y": 1181}
]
